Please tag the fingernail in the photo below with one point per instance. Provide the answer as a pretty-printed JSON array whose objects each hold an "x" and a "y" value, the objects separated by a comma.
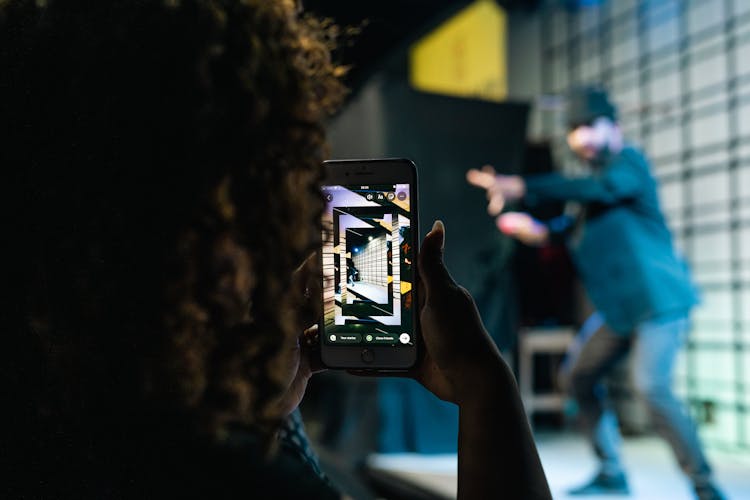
[{"x": 439, "y": 226}]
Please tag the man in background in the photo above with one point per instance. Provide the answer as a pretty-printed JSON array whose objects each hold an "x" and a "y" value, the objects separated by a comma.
[{"x": 626, "y": 259}]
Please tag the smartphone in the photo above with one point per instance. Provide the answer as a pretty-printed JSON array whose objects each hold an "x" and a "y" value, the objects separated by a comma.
[{"x": 369, "y": 262}]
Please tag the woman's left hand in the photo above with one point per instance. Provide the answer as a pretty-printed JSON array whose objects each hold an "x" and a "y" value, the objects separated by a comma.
[{"x": 300, "y": 357}]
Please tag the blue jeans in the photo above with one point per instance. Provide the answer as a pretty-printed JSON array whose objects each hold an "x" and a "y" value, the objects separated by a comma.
[{"x": 654, "y": 345}]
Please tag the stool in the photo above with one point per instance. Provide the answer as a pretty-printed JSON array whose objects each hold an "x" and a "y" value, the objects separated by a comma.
[{"x": 540, "y": 341}]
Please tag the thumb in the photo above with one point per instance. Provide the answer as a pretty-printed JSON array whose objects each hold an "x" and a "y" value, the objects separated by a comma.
[{"x": 431, "y": 267}]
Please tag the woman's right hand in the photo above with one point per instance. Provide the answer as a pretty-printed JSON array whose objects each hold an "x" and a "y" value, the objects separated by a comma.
[{"x": 461, "y": 362}]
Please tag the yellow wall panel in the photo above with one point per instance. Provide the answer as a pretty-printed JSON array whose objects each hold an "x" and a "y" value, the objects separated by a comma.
[{"x": 465, "y": 56}]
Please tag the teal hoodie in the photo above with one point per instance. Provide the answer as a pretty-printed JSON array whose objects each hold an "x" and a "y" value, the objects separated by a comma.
[{"x": 624, "y": 254}]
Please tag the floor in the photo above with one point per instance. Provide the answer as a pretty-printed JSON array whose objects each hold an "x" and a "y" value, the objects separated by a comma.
[
  {"x": 376, "y": 293},
  {"x": 652, "y": 472},
  {"x": 567, "y": 461}
]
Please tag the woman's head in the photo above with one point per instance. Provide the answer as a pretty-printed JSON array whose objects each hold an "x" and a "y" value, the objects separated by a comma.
[{"x": 162, "y": 162}]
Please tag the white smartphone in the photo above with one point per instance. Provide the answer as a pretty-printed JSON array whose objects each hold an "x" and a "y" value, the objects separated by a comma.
[{"x": 369, "y": 262}]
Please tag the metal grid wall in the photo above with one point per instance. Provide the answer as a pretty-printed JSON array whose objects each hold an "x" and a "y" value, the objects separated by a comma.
[{"x": 680, "y": 71}]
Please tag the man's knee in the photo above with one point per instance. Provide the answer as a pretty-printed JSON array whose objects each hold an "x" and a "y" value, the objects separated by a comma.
[
  {"x": 654, "y": 391},
  {"x": 582, "y": 383}
]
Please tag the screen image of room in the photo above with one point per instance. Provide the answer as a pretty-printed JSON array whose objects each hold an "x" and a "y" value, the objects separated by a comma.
[
  {"x": 367, "y": 269},
  {"x": 368, "y": 282},
  {"x": 361, "y": 257}
]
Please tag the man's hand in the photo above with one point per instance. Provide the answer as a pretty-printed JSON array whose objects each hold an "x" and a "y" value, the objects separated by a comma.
[
  {"x": 524, "y": 228},
  {"x": 500, "y": 188}
]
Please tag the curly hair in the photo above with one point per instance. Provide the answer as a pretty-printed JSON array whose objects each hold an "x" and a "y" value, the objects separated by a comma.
[{"x": 160, "y": 168}]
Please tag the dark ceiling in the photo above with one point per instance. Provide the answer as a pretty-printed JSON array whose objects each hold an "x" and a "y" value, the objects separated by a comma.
[{"x": 385, "y": 26}]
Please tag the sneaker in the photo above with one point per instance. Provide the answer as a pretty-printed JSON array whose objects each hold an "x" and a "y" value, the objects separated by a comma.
[
  {"x": 708, "y": 492},
  {"x": 603, "y": 484}
]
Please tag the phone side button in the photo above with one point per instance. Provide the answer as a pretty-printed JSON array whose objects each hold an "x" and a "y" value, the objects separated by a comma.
[{"x": 368, "y": 356}]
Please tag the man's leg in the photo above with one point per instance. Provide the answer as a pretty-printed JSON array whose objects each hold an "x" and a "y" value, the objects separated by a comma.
[
  {"x": 656, "y": 345},
  {"x": 597, "y": 357}
]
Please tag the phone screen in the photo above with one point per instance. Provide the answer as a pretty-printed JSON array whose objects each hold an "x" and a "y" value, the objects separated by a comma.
[{"x": 368, "y": 266}]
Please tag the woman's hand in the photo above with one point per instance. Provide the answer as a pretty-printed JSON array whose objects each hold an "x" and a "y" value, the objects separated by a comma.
[
  {"x": 461, "y": 361},
  {"x": 300, "y": 363},
  {"x": 299, "y": 358},
  {"x": 463, "y": 365}
]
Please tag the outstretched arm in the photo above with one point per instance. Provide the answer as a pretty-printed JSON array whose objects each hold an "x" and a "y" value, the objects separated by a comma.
[
  {"x": 497, "y": 457},
  {"x": 620, "y": 182}
]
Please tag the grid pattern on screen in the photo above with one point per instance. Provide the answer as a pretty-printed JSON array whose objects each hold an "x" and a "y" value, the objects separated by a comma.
[
  {"x": 372, "y": 262},
  {"x": 680, "y": 71}
]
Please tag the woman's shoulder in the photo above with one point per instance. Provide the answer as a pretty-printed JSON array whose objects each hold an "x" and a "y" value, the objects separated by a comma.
[{"x": 240, "y": 466}]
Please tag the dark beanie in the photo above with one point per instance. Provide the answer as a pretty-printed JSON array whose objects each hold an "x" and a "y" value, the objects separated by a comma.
[{"x": 586, "y": 104}]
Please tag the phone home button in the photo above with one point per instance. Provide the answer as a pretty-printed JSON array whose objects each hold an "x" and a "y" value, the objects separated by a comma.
[{"x": 368, "y": 356}]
